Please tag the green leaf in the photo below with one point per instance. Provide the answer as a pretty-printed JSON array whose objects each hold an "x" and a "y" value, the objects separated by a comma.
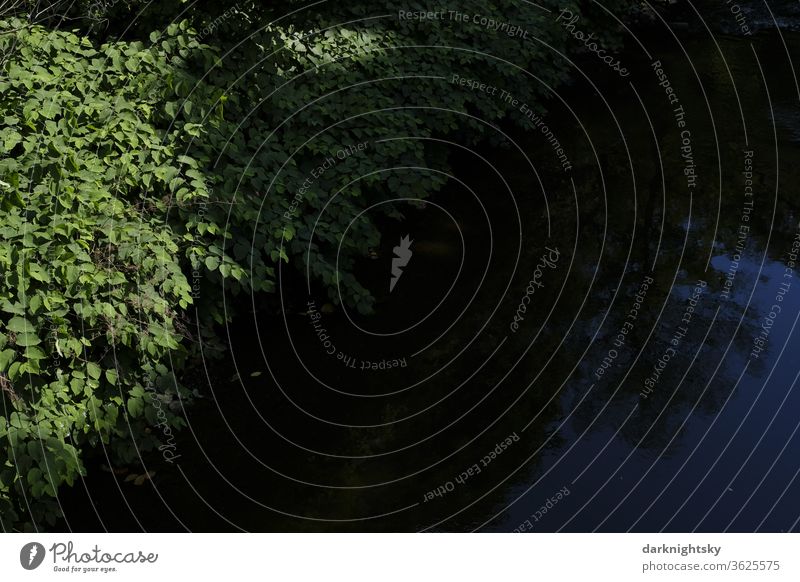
[
  {"x": 28, "y": 339},
  {"x": 93, "y": 370},
  {"x": 135, "y": 407},
  {"x": 38, "y": 273},
  {"x": 35, "y": 303},
  {"x": 212, "y": 263},
  {"x": 6, "y": 357},
  {"x": 14, "y": 371},
  {"x": 20, "y": 325},
  {"x": 10, "y": 139},
  {"x": 34, "y": 475},
  {"x": 35, "y": 353}
]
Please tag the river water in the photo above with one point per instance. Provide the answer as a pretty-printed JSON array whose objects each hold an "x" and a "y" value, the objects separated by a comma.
[{"x": 609, "y": 347}]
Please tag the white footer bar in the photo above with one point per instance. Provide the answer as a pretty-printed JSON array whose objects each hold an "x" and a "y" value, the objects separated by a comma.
[{"x": 401, "y": 557}]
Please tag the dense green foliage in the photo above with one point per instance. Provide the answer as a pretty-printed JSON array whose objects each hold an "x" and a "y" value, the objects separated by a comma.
[
  {"x": 144, "y": 179},
  {"x": 92, "y": 286}
]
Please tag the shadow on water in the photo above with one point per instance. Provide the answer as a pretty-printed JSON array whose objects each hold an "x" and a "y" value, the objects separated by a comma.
[{"x": 440, "y": 414}]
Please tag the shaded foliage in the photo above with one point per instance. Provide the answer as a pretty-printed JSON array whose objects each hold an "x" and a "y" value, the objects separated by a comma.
[{"x": 144, "y": 179}]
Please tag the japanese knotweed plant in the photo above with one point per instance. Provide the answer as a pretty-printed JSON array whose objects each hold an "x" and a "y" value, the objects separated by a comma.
[
  {"x": 93, "y": 289},
  {"x": 141, "y": 180}
]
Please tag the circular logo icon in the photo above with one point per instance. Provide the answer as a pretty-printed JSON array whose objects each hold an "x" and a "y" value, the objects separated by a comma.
[{"x": 31, "y": 555}]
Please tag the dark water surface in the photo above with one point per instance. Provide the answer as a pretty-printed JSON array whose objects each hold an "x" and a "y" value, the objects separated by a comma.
[{"x": 687, "y": 421}]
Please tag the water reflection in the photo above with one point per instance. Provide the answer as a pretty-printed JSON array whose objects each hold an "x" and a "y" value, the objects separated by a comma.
[{"x": 485, "y": 425}]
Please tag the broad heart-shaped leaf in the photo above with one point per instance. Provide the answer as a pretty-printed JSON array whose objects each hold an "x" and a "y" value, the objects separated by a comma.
[
  {"x": 93, "y": 370},
  {"x": 10, "y": 139},
  {"x": 135, "y": 407},
  {"x": 35, "y": 353},
  {"x": 38, "y": 273},
  {"x": 20, "y": 325},
  {"x": 212, "y": 263},
  {"x": 28, "y": 339}
]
